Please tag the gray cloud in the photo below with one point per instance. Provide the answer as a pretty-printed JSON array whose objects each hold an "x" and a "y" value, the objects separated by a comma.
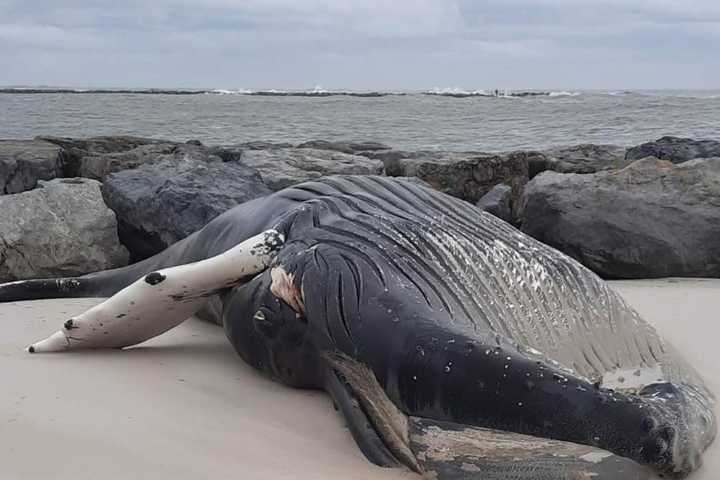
[{"x": 361, "y": 44}]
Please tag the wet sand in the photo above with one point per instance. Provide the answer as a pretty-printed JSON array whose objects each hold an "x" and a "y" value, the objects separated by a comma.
[{"x": 183, "y": 406}]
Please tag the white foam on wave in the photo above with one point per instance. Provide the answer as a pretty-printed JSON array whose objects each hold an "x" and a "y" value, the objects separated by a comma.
[
  {"x": 497, "y": 93},
  {"x": 318, "y": 90},
  {"x": 241, "y": 91},
  {"x": 457, "y": 91},
  {"x": 563, "y": 94}
]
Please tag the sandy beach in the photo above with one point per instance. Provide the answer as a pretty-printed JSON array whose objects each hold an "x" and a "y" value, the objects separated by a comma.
[{"x": 183, "y": 406}]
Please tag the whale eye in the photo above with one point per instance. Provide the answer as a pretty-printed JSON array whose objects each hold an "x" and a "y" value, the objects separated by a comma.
[{"x": 267, "y": 323}]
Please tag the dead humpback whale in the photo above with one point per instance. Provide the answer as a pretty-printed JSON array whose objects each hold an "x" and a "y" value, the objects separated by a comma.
[{"x": 452, "y": 344}]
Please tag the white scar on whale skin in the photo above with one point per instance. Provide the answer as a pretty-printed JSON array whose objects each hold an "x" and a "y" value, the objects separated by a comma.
[
  {"x": 283, "y": 287},
  {"x": 162, "y": 299}
]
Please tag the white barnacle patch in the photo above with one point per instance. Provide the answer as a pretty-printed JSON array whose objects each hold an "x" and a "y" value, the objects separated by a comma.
[
  {"x": 469, "y": 467},
  {"x": 271, "y": 241},
  {"x": 162, "y": 299},
  {"x": 596, "y": 456},
  {"x": 67, "y": 284},
  {"x": 632, "y": 379},
  {"x": 283, "y": 287}
]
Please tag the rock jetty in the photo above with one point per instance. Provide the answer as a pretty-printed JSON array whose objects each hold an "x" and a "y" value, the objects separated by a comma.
[{"x": 75, "y": 205}]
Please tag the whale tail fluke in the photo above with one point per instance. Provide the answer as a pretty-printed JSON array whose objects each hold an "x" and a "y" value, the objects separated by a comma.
[
  {"x": 104, "y": 283},
  {"x": 71, "y": 287},
  {"x": 99, "y": 284}
]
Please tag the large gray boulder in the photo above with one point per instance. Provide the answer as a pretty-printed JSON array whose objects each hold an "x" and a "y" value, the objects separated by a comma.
[
  {"x": 101, "y": 144},
  {"x": 95, "y": 157},
  {"x": 583, "y": 158},
  {"x": 60, "y": 229},
  {"x": 466, "y": 175},
  {"x": 281, "y": 168},
  {"x": 498, "y": 202},
  {"x": 675, "y": 149},
  {"x": 100, "y": 166},
  {"x": 24, "y": 162},
  {"x": 650, "y": 219},
  {"x": 159, "y": 203}
]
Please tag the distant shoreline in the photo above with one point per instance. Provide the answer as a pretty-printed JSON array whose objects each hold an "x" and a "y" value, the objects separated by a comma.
[
  {"x": 453, "y": 93},
  {"x": 154, "y": 91},
  {"x": 318, "y": 92}
]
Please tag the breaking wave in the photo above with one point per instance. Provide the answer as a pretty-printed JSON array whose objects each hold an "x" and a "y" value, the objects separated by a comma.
[
  {"x": 220, "y": 91},
  {"x": 316, "y": 92},
  {"x": 458, "y": 92},
  {"x": 563, "y": 94},
  {"x": 496, "y": 93}
]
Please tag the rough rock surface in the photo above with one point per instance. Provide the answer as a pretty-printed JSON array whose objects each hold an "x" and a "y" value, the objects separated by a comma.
[
  {"x": 232, "y": 153},
  {"x": 24, "y": 162},
  {"x": 583, "y": 158},
  {"x": 160, "y": 203},
  {"x": 100, "y": 166},
  {"x": 345, "y": 147},
  {"x": 262, "y": 145},
  {"x": 650, "y": 219},
  {"x": 466, "y": 175},
  {"x": 60, "y": 229},
  {"x": 497, "y": 202},
  {"x": 281, "y": 168},
  {"x": 102, "y": 144},
  {"x": 94, "y": 157},
  {"x": 97, "y": 157},
  {"x": 675, "y": 149}
]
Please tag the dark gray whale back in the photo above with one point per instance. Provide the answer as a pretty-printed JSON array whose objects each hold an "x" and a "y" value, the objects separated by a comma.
[
  {"x": 480, "y": 277},
  {"x": 463, "y": 318}
]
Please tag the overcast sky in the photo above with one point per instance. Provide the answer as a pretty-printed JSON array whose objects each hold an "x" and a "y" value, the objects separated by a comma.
[{"x": 361, "y": 44}]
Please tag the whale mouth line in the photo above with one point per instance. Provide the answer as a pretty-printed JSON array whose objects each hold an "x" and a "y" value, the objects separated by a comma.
[{"x": 389, "y": 423}]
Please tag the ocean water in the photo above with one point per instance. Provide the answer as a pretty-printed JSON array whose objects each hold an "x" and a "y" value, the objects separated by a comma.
[{"x": 444, "y": 119}]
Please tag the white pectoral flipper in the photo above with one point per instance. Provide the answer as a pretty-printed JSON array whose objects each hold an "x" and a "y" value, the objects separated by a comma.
[{"x": 162, "y": 299}]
